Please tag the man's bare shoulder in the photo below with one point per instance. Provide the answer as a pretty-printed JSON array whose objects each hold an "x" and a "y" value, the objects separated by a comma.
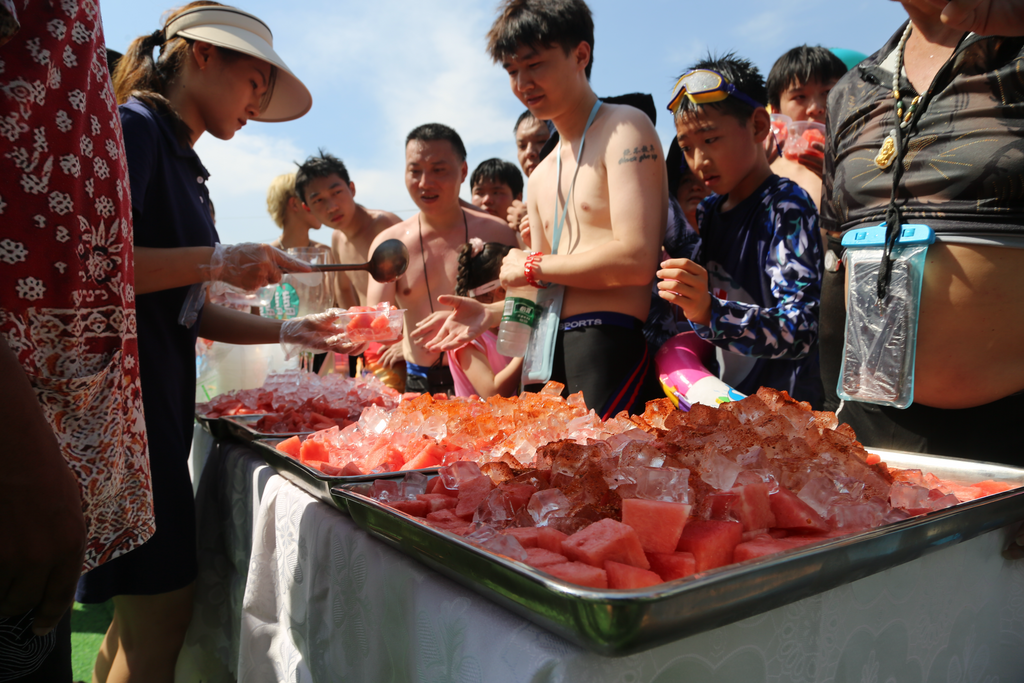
[
  {"x": 383, "y": 219},
  {"x": 402, "y": 230},
  {"x": 490, "y": 229}
]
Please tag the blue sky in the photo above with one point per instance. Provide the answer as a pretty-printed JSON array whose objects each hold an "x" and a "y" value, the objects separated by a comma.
[{"x": 378, "y": 69}]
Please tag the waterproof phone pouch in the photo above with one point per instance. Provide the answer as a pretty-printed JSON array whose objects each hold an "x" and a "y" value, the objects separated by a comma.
[
  {"x": 881, "y": 335},
  {"x": 540, "y": 353}
]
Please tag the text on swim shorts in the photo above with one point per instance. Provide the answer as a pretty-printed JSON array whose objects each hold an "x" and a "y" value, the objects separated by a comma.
[{"x": 586, "y": 322}]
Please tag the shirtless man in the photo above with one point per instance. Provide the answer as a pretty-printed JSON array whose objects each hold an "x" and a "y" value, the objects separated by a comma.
[
  {"x": 435, "y": 168},
  {"x": 609, "y": 247},
  {"x": 323, "y": 185},
  {"x": 531, "y": 134}
]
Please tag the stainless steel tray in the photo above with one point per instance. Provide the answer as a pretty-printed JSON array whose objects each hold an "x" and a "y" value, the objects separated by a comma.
[
  {"x": 313, "y": 481},
  {"x": 243, "y": 427},
  {"x": 621, "y": 622},
  {"x": 214, "y": 425}
]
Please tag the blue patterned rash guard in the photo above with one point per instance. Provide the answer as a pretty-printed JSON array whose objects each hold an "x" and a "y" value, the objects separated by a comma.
[{"x": 764, "y": 263}]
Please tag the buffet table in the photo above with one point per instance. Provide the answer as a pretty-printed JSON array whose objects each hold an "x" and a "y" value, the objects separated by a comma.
[{"x": 291, "y": 590}]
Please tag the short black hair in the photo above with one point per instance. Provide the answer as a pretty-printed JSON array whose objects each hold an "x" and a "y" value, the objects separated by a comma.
[
  {"x": 319, "y": 166},
  {"x": 741, "y": 73},
  {"x": 541, "y": 23},
  {"x": 430, "y": 132},
  {"x": 802, "y": 65},
  {"x": 498, "y": 171},
  {"x": 527, "y": 114}
]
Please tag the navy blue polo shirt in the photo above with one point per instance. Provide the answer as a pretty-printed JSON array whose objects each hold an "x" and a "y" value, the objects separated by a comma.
[{"x": 171, "y": 208}]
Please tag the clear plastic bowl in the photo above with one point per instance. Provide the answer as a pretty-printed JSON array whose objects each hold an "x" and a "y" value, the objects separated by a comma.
[
  {"x": 801, "y": 134},
  {"x": 382, "y": 324}
]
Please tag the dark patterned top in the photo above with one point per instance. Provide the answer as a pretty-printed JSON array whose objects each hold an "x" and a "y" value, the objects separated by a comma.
[
  {"x": 764, "y": 266},
  {"x": 964, "y": 168}
]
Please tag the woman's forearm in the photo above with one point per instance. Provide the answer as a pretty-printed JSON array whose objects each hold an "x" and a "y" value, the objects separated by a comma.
[
  {"x": 235, "y": 327},
  {"x": 159, "y": 269}
]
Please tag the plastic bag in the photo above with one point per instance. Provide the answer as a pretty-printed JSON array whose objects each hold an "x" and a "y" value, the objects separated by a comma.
[{"x": 881, "y": 336}]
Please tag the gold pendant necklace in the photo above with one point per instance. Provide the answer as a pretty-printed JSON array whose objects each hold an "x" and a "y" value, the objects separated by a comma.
[{"x": 887, "y": 154}]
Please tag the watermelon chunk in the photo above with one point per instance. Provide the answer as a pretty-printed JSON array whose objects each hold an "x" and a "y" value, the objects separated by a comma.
[
  {"x": 766, "y": 545},
  {"x": 290, "y": 446},
  {"x": 416, "y": 508},
  {"x": 711, "y": 542},
  {"x": 657, "y": 523},
  {"x": 550, "y": 539},
  {"x": 670, "y": 566},
  {"x": 438, "y": 501},
  {"x": 313, "y": 451},
  {"x": 430, "y": 456},
  {"x": 538, "y": 557},
  {"x": 527, "y": 536},
  {"x": 471, "y": 493},
  {"x": 606, "y": 540},
  {"x": 752, "y": 507},
  {"x": 579, "y": 573},
  {"x": 794, "y": 514},
  {"x": 446, "y": 515},
  {"x": 624, "y": 576}
]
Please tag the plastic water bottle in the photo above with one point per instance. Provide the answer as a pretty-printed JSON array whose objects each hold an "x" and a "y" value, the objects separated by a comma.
[{"x": 517, "y": 320}]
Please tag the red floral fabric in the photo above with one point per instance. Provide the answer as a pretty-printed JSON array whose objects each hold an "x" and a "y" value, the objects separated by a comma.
[{"x": 66, "y": 266}]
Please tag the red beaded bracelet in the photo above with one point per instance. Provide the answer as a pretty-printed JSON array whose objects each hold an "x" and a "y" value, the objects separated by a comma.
[{"x": 531, "y": 264}]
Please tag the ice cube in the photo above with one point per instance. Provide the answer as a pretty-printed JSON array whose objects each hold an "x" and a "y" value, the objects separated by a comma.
[
  {"x": 496, "y": 510},
  {"x": 945, "y": 501},
  {"x": 669, "y": 484},
  {"x": 481, "y": 534},
  {"x": 758, "y": 477},
  {"x": 374, "y": 420},
  {"x": 548, "y": 503},
  {"x": 434, "y": 427},
  {"x": 720, "y": 472},
  {"x": 907, "y": 496},
  {"x": 750, "y": 458},
  {"x": 641, "y": 454},
  {"x": 507, "y": 545},
  {"x": 413, "y": 485},
  {"x": 820, "y": 493},
  {"x": 457, "y": 472},
  {"x": 859, "y": 515},
  {"x": 386, "y": 490}
]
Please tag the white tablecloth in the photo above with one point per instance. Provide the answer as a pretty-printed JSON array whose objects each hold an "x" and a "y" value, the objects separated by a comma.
[{"x": 291, "y": 590}]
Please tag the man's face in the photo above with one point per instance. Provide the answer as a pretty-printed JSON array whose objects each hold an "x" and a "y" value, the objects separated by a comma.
[
  {"x": 539, "y": 76},
  {"x": 806, "y": 101},
  {"x": 720, "y": 150},
  {"x": 494, "y": 197},
  {"x": 331, "y": 201},
  {"x": 433, "y": 174},
  {"x": 530, "y": 138}
]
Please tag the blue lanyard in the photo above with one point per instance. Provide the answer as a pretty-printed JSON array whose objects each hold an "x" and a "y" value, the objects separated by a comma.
[{"x": 559, "y": 224}]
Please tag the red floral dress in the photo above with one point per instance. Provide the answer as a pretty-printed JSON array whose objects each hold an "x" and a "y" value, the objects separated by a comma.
[{"x": 66, "y": 266}]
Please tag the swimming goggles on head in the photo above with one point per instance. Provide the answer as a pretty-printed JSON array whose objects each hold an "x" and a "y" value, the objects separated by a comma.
[{"x": 704, "y": 86}]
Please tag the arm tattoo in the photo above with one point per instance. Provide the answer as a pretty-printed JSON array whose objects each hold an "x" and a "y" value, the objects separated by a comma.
[{"x": 639, "y": 154}]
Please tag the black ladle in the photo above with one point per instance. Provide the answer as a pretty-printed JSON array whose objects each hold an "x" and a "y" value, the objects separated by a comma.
[{"x": 387, "y": 263}]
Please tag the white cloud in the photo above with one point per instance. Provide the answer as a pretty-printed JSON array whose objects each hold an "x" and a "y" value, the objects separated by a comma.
[{"x": 246, "y": 163}]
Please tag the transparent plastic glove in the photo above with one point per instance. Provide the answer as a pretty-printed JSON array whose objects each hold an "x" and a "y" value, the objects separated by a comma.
[
  {"x": 317, "y": 332},
  {"x": 250, "y": 265}
]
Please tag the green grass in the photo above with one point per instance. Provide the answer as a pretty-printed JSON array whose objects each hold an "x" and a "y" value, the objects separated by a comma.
[{"x": 88, "y": 625}]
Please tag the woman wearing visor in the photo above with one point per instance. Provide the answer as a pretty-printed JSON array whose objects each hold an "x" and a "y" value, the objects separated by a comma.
[
  {"x": 216, "y": 71},
  {"x": 930, "y": 130}
]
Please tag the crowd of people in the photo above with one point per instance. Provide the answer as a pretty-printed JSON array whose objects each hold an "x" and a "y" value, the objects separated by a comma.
[{"x": 108, "y": 243}]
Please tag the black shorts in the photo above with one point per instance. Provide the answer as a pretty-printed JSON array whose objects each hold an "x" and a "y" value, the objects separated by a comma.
[
  {"x": 989, "y": 432},
  {"x": 605, "y": 356},
  {"x": 435, "y": 379}
]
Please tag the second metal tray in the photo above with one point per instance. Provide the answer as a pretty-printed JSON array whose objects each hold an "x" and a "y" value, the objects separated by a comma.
[
  {"x": 313, "y": 481},
  {"x": 621, "y": 622},
  {"x": 244, "y": 427}
]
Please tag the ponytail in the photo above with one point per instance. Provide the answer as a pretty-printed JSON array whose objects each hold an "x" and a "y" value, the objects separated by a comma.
[
  {"x": 480, "y": 265},
  {"x": 140, "y": 75}
]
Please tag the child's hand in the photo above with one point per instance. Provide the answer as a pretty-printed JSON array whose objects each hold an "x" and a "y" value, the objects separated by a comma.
[
  {"x": 813, "y": 159},
  {"x": 685, "y": 284}
]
